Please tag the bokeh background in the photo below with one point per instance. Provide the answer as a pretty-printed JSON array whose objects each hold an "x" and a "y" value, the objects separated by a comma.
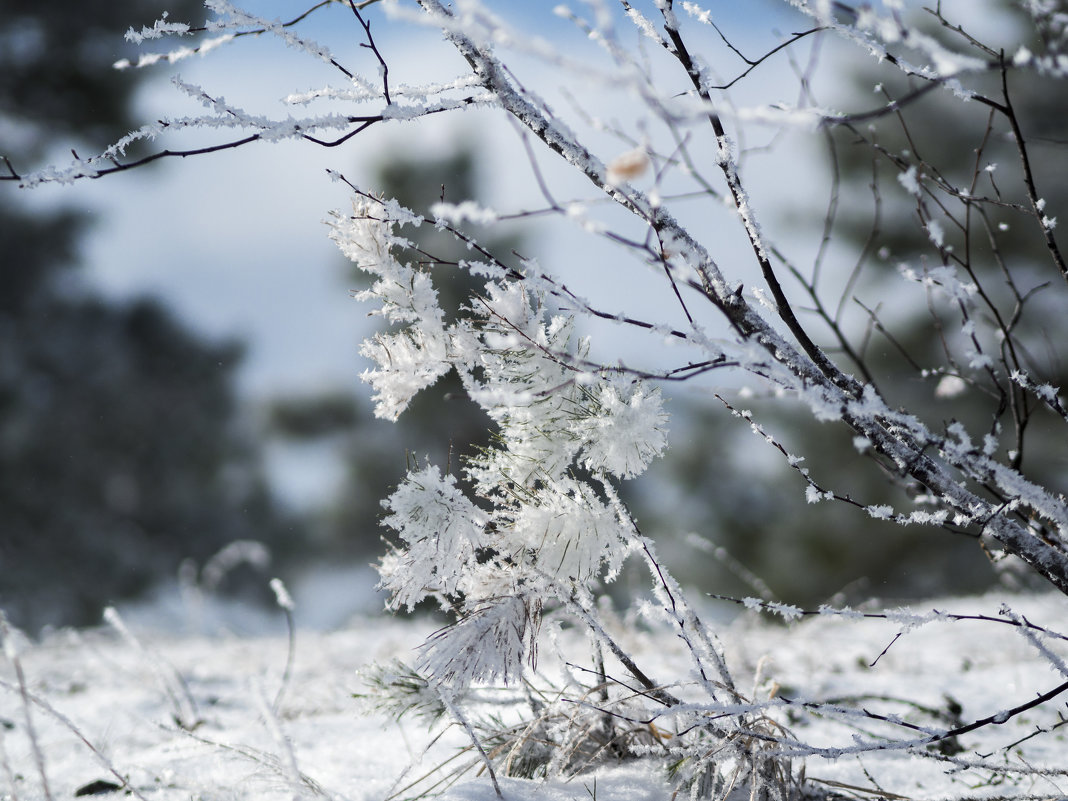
[{"x": 181, "y": 416}]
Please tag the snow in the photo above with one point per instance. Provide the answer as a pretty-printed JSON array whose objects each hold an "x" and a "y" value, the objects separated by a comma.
[{"x": 98, "y": 699}]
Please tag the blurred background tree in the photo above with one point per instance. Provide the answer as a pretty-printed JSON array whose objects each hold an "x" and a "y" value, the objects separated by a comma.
[{"x": 122, "y": 446}]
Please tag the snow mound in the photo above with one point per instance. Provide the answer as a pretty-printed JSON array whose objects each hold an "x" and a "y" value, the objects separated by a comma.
[{"x": 180, "y": 717}]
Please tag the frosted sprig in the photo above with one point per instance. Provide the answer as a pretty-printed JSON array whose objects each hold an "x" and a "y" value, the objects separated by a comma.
[
  {"x": 569, "y": 533},
  {"x": 441, "y": 530},
  {"x": 416, "y": 356},
  {"x": 489, "y": 642},
  {"x": 624, "y": 430}
]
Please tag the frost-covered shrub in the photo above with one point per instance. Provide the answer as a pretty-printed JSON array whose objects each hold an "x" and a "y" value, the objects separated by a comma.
[{"x": 542, "y": 531}]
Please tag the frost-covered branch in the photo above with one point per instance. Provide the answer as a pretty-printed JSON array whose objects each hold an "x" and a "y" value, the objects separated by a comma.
[
  {"x": 325, "y": 130},
  {"x": 828, "y": 389}
]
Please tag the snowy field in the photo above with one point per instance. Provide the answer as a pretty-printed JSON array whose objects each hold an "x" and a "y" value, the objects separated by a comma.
[{"x": 223, "y": 717}]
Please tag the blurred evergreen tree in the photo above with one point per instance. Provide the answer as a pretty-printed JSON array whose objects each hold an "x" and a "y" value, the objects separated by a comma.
[{"x": 121, "y": 448}]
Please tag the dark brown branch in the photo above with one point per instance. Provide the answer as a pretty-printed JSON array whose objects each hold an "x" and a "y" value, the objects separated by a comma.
[
  {"x": 1015, "y": 622},
  {"x": 996, "y": 719},
  {"x": 370, "y": 44},
  {"x": 1029, "y": 178},
  {"x": 754, "y": 64},
  {"x": 118, "y": 166},
  {"x": 786, "y": 312},
  {"x": 893, "y": 107}
]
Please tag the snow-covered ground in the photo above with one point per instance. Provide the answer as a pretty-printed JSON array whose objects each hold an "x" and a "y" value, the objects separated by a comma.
[{"x": 222, "y": 717}]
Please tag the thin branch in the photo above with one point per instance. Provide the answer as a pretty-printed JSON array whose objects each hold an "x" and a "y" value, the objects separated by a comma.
[
  {"x": 785, "y": 310},
  {"x": 1029, "y": 178},
  {"x": 370, "y": 44},
  {"x": 756, "y": 63}
]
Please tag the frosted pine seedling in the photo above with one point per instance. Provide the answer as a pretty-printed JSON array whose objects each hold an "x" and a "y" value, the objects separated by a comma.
[{"x": 547, "y": 533}]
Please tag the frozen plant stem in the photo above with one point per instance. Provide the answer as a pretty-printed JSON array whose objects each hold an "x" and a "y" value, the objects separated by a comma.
[
  {"x": 285, "y": 747},
  {"x": 67, "y": 723},
  {"x": 446, "y": 695},
  {"x": 10, "y": 648},
  {"x": 285, "y": 603},
  {"x": 183, "y": 705},
  {"x": 8, "y": 773},
  {"x": 11, "y": 651}
]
